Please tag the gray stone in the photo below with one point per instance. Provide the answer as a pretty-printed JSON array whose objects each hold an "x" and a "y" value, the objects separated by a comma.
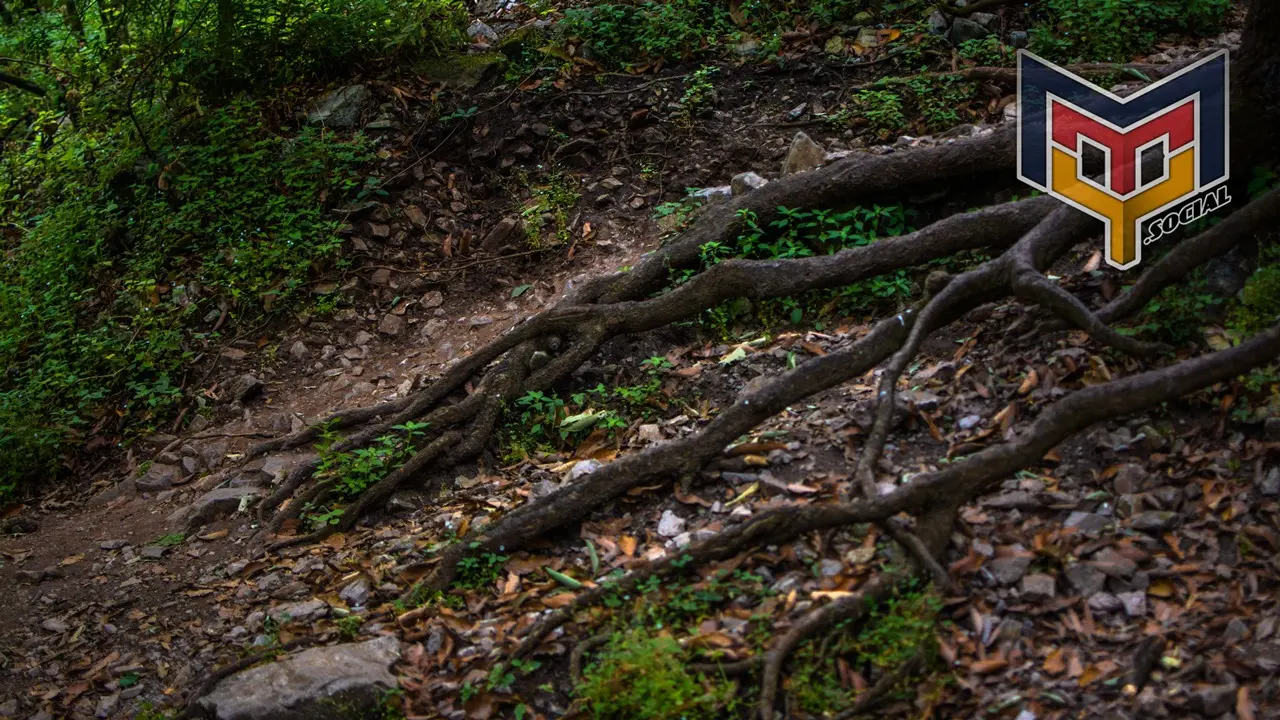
[
  {"x": 583, "y": 467},
  {"x": 969, "y": 422},
  {"x": 107, "y": 705},
  {"x": 745, "y": 182},
  {"x": 190, "y": 465},
  {"x": 356, "y": 593},
  {"x": 213, "y": 452},
  {"x": 1114, "y": 564},
  {"x": 1135, "y": 603},
  {"x": 299, "y": 351},
  {"x": 964, "y": 30},
  {"x": 340, "y": 108},
  {"x": 1105, "y": 602},
  {"x": 1130, "y": 479},
  {"x": 1009, "y": 570},
  {"x": 1087, "y": 523},
  {"x": 318, "y": 684},
  {"x": 1270, "y": 485},
  {"x": 242, "y": 388},
  {"x": 503, "y": 235},
  {"x": 158, "y": 477},
  {"x": 830, "y": 567},
  {"x": 304, "y": 611},
  {"x": 479, "y": 31},
  {"x": 671, "y": 524},
  {"x": 986, "y": 20},
  {"x": 1019, "y": 38},
  {"x": 1038, "y": 587},
  {"x": 712, "y": 194},
  {"x": 153, "y": 552},
  {"x": 54, "y": 625},
  {"x": 938, "y": 23},
  {"x": 1154, "y": 521},
  {"x": 112, "y": 544},
  {"x": 1213, "y": 701},
  {"x": 1085, "y": 579},
  {"x": 1272, "y": 428},
  {"x": 804, "y": 154},
  {"x": 391, "y": 325},
  {"x": 1236, "y": 631},
  {"x": 211, "y": 506}
]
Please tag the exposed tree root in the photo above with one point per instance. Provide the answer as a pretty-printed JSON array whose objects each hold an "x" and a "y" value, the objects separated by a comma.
[{"x": 612, "y": 313}]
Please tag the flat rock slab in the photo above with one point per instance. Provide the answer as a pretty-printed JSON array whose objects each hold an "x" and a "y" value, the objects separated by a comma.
[{"x": 328, "y": 683}]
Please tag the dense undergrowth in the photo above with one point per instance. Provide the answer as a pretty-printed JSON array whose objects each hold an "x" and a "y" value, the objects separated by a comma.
[
  {"x": 160, "y": 201},
  {"x": 155, "y": 206}
]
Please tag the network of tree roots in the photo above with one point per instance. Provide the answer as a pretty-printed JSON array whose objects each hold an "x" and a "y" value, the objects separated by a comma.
[{"x": 1025, "y": 237}]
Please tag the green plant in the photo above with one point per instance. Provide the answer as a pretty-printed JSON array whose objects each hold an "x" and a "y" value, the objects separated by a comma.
[
  {"x": 699, "y": 94},
  {"x": 620, "y": 34},
  {"x": 1177, "y": 314},
  {"x": 350, "y": 473},
  {"x": 349, "y": 626},
  {"x": 1116, "y": 30},
  {"x": 988, "y": 52},
  {"x": 479, "y": 571},
  {"x": 883, "y": 110},
  {"x": 549, "y": 205},
  {"x": 643, "y": 676},
  {"x": 1259, "y": 301},
  {"x": 170, "y": 540}
]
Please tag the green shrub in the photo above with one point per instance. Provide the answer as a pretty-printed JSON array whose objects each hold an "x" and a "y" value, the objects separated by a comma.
[
  {"x": 641, "y": 676},
  {"x": 109, "y": 291},
  {"x": 1116, "y": 30}
]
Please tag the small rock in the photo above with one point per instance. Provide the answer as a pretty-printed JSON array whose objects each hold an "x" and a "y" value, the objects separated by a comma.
[
  {"x": 211, "y": 506},
  {"x": 1019, "y": 38},
  {"x": 479, "y": 321},
  {"x": 711, "y": 194},
  {"x": 153, "y": 552},
  {"x": 804, "y": 154},
  {"x": 1154, "y": 521},
  {"x": 1087, "y": 523},
  {"x": 1114, "y": 564},
  {"x": 1236, "y": 631},
  {"x": 54, "y": 625},
  {"x": 611, "y": 183},
  {"x": 1130, "y": 479},
  {"x": 364, "y": 337},
  {"x": 158, "y": 477},
  {"x": 671, "y": 524},
  {"x": 745, "y": 182},
  {"x": 969, "y": 422},
  {"x": 986, "y": 20},
  {"x": 1213, "y": 701},
  {"x": 830, "y": 567},
  {"x": 1038, "y": 587},
  {"x": 112, "y": 544},
  {"x": 1270, "y": 485},
  {"x": 1135, "y": 603},
  {"x": 107, "y": 705},
  {"x": 356, "y": 594},
  {"x": 1009, "y": 570},
  {"x": 649, "y": 433},
  {"x": 242, "y": 389},
  {"x": 584, "y": 467},
  {"x": 416, "y": 217},
  {"x": 964, "y": 30},
  {"x": 1105, "y": 602},
  {"x": 503, "y": 234},
  {"x": 1085, "y": 579},
  {"x": 433, "y": 299},
  {"x": 234, "y": 354},
  {"x": 311, "y": 684},
  {"x": 479, "y": 31},
  {"x": 938, "y": 23},
  {"x": 304, "y": 611},
  {"x": 340, "y": 108},
  {"x": 391, "y": 325},
  {"x": 834, "y": 45}
]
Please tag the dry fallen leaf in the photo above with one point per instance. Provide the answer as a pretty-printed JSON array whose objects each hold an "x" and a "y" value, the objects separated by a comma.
[{"x": 72, "y": 560}]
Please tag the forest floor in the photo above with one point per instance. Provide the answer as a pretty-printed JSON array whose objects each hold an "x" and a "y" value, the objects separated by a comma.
[{"x": 1162, "y": 526}]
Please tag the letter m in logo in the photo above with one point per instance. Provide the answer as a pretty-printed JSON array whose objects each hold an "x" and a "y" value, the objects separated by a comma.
[{"x": 1062, "y": 118}]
